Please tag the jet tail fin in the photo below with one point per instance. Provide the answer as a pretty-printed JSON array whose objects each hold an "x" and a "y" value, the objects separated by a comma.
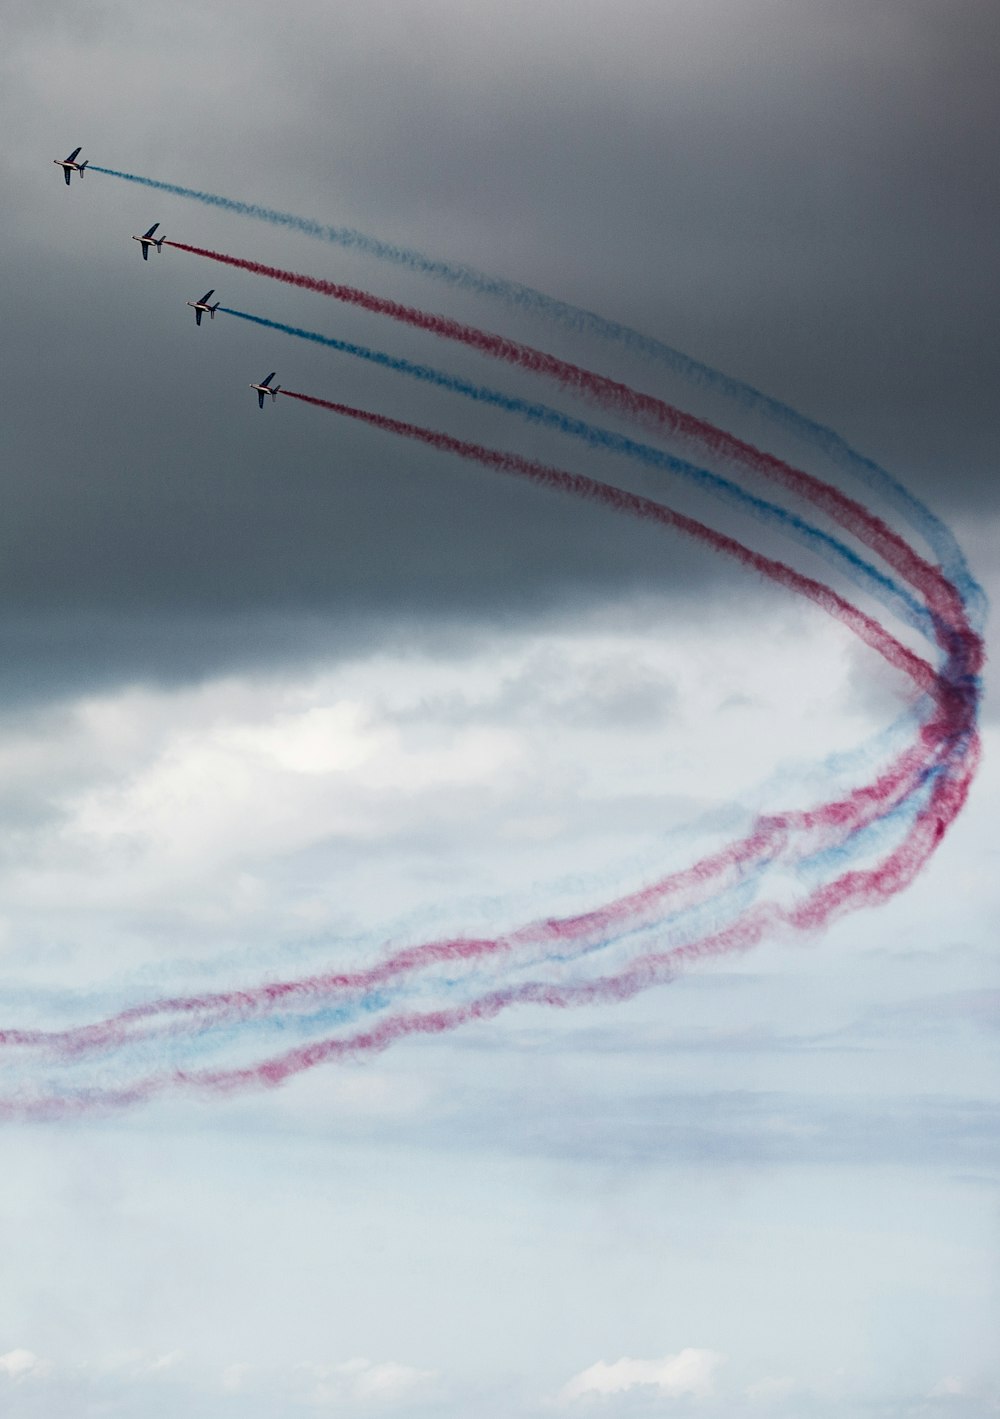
[
  {"x": 274, "y": 392},
  {"x": 82, "y": 166}
]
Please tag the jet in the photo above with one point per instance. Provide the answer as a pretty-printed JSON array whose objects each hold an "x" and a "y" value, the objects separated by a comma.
[
  {"x": 199, "y": 307},
  {"x": 148, "y": 239},
  {"x": 265, "y": 387},
  {"x": 70, "y": 165}
]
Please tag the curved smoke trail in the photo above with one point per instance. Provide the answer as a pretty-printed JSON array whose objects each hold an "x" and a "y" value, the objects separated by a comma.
[
  {"x": 877, "y": 583},
  {"x": 652, "y": 413},
  {"x": 937, "y": 770},
  {"x": 871, "y": 474}
]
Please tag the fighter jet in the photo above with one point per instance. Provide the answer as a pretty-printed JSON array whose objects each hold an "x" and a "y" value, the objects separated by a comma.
[
  {"x": 70, "y": 165},
  {"x": 265, "y": 387},
  {"x": 199, "y": 307},
  {"x": 148, "y": 239}
]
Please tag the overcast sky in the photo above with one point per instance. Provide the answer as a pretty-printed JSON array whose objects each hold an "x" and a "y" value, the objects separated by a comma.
[{"x": 276, "y": 689}]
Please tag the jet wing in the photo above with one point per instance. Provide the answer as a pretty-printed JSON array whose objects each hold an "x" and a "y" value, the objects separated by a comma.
[
  {"x": 151, "y": 230},
  {"x": 204, "y": 299},
  {"x": 66, "y": 175},
  {"x": 267, "y": 381},
  {"x": 73, "y": 155},
  {"x": 145, "y": 252},
  {"x": 197, "y": 316},
  {"x": 260, "y": 398}
]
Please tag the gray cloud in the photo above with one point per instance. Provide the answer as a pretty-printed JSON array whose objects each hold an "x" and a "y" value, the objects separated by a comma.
[
  {"x": 742, "y": 1129},
  {"x": 804, "y": 197}
]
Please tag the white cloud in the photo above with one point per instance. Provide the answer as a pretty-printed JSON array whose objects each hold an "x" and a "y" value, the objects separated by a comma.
[
  {"x": 18, "y": 1364},
  {"x": 166, "y": 1361},
  {"x": 689, "y": 1372},
  {"x": 946, "y": 1388},
  {"x": 387, "y": 1381},
  {"x": 363, "y": 1381},
  {"x": 245, "y": 805},
  {"x": 234, "y": 1377},
  {"x": 769, "y": 1390}
]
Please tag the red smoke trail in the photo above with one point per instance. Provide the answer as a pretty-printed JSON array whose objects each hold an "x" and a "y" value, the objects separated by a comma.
[
  {"x": 874, "y": 635},
  {"x": 943, "y": 599}
]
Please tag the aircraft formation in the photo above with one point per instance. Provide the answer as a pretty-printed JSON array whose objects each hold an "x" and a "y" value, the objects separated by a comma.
[
  {"x": 149, "y": 239},
  {"x": 885, "y": 809}
]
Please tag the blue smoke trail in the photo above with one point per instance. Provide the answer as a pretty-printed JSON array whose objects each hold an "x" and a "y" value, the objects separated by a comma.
[
  {"x": 871, "y": 474},
  {"x": 837, "y": 553},
  {"x": 816, "y": 867}
]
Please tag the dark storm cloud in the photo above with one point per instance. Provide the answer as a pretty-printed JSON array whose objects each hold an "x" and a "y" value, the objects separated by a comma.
[
  {"x": 803, "y": 195},
  {"x": 159, "y": 525}
]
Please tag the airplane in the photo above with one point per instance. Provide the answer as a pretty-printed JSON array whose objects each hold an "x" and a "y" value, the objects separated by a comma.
[
  {"x": 148, "y": 239},
  {"x": 70, "y": 165},
  {"x": 265, "y": 387},
  {"x": 199, "y": 307}
]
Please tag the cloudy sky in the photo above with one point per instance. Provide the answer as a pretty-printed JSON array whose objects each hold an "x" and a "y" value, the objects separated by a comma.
[{"x": 280, "y": 693}]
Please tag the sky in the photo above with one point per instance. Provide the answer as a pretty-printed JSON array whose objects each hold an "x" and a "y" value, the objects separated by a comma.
[{"x": 282, "y": 694}]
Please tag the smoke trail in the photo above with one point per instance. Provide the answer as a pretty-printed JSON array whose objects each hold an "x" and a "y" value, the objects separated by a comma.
[
  {"x": 871, "y": 474},
  {"x": 611, "y": 394},
  {"x": 822, "y": 543}
]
